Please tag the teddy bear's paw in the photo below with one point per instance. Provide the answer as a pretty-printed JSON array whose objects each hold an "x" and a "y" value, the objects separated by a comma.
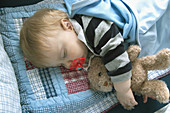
[
  {"x": 157, "y": 89},
  {"x": 163, "y": 95},
  {"x": 162, "y": 99},
  {"x": 133, "y": 52},
  {"x": 161, "y": 91},
  {"x": 134, "y": 48},
  {"x": 164, "y": 55}
]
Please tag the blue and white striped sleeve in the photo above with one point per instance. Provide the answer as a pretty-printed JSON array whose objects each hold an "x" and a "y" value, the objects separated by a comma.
[{"x": 104, "y": 38}]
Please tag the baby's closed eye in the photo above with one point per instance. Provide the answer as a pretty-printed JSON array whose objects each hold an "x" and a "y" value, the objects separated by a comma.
[{"x": 63, "y": 53}]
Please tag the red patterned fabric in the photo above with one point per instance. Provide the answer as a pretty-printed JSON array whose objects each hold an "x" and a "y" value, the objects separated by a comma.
[
  {"x": 28, "y": 65},
  {"x": 76, "y": 81}
]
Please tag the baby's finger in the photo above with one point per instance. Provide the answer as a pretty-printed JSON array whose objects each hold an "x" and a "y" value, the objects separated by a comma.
[
  {"x": 128, "y": 107},
  {"x": 130, "y": 104},
  {"x": 134, "y": 103}
]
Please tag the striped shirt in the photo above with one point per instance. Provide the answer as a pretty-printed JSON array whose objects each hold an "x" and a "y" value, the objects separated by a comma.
[{"x": 104, "y": 39}]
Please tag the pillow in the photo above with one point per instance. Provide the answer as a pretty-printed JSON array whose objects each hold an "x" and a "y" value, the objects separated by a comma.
[
  {"x": 9, "y": 93},
  {"x": 47, "y": 89}
]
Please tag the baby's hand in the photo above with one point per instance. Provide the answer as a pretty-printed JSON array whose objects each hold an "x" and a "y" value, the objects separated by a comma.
[{"x": 127, "y": 99}]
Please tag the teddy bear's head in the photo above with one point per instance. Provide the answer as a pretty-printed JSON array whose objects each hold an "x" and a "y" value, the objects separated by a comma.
[{"x": 97, "y": 74}]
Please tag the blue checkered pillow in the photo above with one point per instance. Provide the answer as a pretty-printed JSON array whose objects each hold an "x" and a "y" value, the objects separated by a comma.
[{"x": 9, "y": 93}]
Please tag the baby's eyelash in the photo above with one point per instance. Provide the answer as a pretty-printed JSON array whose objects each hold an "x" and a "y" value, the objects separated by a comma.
[
  {"x": 65, "y": 53},
  {"x": 61, "y": 64}
]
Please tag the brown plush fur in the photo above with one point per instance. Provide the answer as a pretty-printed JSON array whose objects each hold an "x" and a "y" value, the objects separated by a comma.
[
  {"x": 140, "y": 83},
  {"x": 97, "y": 75},
  {"x": 99, "y": 80}
]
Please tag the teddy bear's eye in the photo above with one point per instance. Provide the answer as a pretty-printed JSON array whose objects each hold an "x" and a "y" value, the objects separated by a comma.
[{"x": 100, "y": 74}]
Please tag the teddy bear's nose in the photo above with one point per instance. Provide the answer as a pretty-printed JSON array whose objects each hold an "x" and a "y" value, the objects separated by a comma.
[{"x": 105, "y": 83}]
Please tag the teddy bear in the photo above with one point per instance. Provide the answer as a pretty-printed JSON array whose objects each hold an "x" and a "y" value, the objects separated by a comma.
[
  {"x": 97, "y": 76},
  {"x": 99, "y": 80}
]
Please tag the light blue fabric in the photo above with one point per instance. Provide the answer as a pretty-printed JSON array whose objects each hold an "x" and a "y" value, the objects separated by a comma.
[
  {"x": 9, "y": 93},
  {"x": 145, "y": 22},
  {"x": 154, "y": 22},
  {"x": 114, "y": 10}
]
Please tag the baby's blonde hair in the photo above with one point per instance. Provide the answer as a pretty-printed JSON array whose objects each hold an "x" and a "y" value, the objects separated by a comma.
[{"x": 34, "y": 33}]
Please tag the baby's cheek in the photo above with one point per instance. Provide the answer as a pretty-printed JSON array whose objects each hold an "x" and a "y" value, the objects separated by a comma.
[{"x": 75, "y": 54}]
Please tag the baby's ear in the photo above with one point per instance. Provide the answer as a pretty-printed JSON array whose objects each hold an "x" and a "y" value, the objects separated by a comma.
[{"x": 66, "y": 24}]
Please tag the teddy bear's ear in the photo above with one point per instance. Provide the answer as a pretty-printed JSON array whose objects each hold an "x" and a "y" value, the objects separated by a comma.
[
  {"x": 133, "y": 52},
  {"x": 93, "y": 61}
]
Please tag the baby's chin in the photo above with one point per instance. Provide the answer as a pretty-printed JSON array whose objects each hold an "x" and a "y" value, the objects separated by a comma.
[{"x": 85, "y": 54}]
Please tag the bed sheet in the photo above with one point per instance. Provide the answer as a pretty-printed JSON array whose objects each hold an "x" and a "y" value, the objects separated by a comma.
[{"x": 143, "y": 22}]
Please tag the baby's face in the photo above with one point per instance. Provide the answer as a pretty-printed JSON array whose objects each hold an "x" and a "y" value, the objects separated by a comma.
[{"x": 65, "y": 47}]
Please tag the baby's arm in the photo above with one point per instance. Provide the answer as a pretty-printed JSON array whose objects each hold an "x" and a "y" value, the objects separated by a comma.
[
  {"x": 124, "y": 94},
  {"x": 104, "y": 39}
]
